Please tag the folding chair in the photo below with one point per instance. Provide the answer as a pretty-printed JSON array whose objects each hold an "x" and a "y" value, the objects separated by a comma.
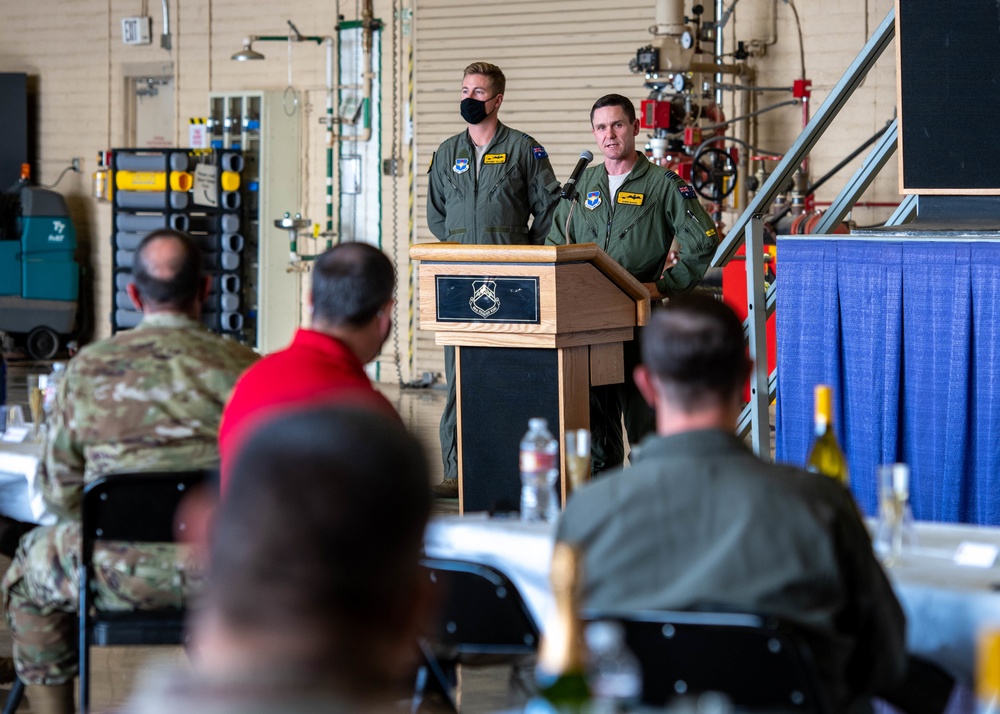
[
  {"x": 757, "y": 661},
  {"x": 482, "y": 613},
  {"x": 136, "y": 507}
]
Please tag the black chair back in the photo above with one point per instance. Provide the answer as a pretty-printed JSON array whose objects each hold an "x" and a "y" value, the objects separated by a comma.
[
  {"x": 132, "y": 507},
  {"x": 481, "y": 610},
  {"x": 481, "y": 613},
  {"x": 757, "y": 661}
]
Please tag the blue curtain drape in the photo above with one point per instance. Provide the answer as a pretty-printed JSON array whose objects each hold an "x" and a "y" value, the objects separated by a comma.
[{"x": 907, "y": 333}]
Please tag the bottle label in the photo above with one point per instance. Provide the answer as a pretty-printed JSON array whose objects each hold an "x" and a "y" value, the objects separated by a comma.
[{"x": 532, "y": 461}]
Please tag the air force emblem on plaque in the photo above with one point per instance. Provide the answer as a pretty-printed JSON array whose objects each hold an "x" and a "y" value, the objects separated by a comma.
[
  {"x": 593, "y": 200},
  {"x": 461, "y": 166},
  {"x": 484, "y": 301}
]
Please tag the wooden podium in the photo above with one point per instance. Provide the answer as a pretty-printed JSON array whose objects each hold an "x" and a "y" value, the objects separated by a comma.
[{"x": 534, "y": 327}]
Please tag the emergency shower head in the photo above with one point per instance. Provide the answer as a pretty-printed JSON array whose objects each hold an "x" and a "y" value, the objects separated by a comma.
[{"x": 248, "y": 52}]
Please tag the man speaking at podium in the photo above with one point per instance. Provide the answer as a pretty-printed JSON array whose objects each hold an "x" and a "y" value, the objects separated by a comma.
[
  {"x": 649, "y": 221},
  {"x": 485, "y": 184}
]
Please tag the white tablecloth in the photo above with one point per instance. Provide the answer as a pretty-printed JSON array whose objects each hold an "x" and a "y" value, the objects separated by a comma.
[
  {"x": 946, "y": 604},
  {"x": 19, "y": 494}
]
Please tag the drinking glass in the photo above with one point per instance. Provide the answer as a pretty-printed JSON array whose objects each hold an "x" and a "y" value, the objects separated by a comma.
[
  {"x": 35, "y": 400},
  {"x": 895, "y": 531},
  {"x": 15, "y": 415},
  {"x": 578, "y": 456}
]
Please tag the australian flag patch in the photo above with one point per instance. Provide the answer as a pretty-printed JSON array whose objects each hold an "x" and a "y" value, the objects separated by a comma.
[
  {"x": 539, "y": 152},
  {"x": 686, "y": 191}
]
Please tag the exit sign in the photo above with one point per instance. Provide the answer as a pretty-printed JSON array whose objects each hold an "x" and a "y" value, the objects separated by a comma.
[{"x": 137, "y": 30}]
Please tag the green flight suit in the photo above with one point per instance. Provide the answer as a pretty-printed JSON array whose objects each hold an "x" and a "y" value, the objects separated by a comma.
[
  {"x": 636, "y": 227},
  {"x": 698, "y": 520},
  {"x": 515, "y": 185},
  {"x": 515, "y": 182}
]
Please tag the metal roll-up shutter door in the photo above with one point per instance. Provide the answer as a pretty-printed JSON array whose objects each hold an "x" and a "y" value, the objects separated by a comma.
[{"x": 558, "y": 57}]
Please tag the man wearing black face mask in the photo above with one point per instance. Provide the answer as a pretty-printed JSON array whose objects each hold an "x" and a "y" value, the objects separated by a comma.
[{"x": 486, "y": 185}]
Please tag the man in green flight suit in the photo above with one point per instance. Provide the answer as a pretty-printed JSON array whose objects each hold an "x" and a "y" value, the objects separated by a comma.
[
  {"x": 148, "y": 399},
  {"x": 486, "y": 184},
  {"x": 650, "y": 221}
]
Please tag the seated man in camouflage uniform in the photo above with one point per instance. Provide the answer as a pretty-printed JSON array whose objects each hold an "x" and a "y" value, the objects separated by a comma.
[{"x": 147, "y": 399}]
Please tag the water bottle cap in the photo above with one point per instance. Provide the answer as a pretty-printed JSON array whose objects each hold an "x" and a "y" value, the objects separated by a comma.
[
  {"x": 604, "y": 634},
  {"x": 538, "y": 423}
]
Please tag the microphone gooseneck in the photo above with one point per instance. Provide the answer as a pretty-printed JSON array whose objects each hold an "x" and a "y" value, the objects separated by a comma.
[{"x": 569, "y": 188}]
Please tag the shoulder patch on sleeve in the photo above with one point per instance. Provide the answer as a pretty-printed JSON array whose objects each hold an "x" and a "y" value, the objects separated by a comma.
[
  {"x": 686, "y": 191},
  {"x": 431, "y": 162},
  {"x": 539, "y": 152}
]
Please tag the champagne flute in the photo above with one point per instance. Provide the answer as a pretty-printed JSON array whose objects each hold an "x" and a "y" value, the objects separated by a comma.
[
  {"x": 35, "y": 399},
  {"x": 894, "y": 496},
  {"x": 577, "y": 456}
]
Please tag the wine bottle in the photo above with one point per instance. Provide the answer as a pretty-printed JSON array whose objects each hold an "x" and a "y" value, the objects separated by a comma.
[
  {"x": 561, "y": 673},
  {"x": 826, "y": 457}
]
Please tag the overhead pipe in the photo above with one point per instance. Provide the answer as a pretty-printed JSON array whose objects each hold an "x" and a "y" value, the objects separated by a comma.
[
  {"x": 333, "y": 88},
  {"x": 165, "y": 37}
]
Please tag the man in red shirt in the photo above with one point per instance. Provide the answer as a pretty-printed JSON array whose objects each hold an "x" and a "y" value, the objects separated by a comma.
[{"x": 351, "y": 303}]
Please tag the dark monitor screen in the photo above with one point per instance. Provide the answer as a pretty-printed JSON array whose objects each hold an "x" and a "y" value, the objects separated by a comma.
[
  {"x": 13, "y": 127},
  {"x": 949, "y": 95}
]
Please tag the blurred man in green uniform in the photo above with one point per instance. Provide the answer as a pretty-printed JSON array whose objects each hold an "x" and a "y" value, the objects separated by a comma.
[
  {"x": 698, "y": 521},
  {"x": 146, "y": 399}
]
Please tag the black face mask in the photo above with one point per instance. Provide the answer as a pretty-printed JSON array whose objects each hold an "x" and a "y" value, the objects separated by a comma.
[{"x": 474, "y": 110}]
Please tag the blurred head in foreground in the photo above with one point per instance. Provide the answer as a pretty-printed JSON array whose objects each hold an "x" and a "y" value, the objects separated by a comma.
[{"x": 314, "y": 556}]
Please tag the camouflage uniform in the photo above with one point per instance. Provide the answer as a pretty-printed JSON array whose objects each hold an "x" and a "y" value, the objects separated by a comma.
[{"x": 147, "y": 399}]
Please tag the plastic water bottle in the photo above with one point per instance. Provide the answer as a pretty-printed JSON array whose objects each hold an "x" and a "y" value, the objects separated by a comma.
[
  {"x": 51, "y": 386},
  {"x": 614, "y": 673},
  {"x": 539, "y": 473}
]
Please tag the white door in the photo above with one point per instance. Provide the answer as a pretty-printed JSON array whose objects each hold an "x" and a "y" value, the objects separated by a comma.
[{"x": 150, "y": 108}]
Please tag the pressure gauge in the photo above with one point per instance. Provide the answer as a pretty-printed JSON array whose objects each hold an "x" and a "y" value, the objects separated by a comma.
[
  {"x": 679, "y": 82},
  {"x": 687, "y": 40}
]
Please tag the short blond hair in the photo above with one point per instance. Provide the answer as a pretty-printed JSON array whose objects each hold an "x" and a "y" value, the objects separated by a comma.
[{"x": 498, "y": 83}]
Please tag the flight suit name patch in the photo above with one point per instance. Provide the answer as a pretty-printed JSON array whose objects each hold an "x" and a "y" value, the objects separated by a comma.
[
  {"x": 495, "y": 159},
  {"x": 632, "y": 199}
]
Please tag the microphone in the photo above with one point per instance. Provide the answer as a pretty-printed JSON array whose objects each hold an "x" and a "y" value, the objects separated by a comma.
[{"x": 569, "y": 188}]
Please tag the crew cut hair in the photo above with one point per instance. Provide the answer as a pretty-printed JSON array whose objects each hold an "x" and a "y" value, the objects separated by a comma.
[
  {"x": 498, "y": 83},
  {"x": 694, "y": 346},
  {"x": 175, "y": 284},
  {"x": 351, "y": 282},
  {"x": 614, "y": 100},
  {"x": 321, "y": 529}
]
